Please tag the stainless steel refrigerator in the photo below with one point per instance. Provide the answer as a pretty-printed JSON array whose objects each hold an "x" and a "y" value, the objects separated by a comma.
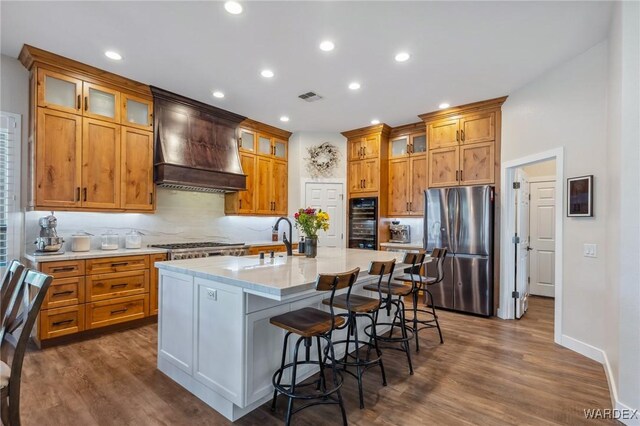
[{"x": 460, "y": 219}]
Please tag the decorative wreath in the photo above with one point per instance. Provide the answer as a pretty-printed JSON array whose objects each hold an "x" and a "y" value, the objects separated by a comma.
[{"x": 322, "y": 159}]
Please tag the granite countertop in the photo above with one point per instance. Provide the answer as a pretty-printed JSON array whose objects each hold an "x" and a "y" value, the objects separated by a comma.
[
  {"x": 92, "y": 254},
  {"x": 411, "y": 245},
  {"x": 281, "y": 276}
]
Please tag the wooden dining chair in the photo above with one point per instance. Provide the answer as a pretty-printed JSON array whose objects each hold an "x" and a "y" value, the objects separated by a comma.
[
  {"x": 12, "y": 275},
  {"x": 26, "y": 301}
]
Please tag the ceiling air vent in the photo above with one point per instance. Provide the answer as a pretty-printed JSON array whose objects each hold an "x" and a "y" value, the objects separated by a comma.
[{"x": 310, "y": 97}]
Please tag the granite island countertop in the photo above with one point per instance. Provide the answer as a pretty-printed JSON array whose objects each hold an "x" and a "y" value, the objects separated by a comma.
[{"x": 281, "y": 276}]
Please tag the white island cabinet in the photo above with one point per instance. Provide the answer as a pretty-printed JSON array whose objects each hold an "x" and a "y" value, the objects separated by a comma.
[{"x": 214, "y": 335}]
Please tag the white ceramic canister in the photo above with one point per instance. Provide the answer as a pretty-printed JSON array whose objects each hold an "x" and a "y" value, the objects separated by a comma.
[{"x": 81, "y": 241}]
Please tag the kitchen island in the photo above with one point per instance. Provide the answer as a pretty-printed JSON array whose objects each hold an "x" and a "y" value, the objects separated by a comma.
[{"x": 214, "y": 335}]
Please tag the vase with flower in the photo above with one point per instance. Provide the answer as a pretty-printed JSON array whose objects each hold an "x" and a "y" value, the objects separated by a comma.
[{"x": 309, "y": 221}]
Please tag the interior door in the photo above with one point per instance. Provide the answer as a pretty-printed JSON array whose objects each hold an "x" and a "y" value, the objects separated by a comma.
[
  {"x": 522, "y": 247},
  {"x": 328, "y": 197},
  {"x": 543, "y": 238}
]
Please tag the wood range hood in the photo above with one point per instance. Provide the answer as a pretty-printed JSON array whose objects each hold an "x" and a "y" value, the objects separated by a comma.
[{"x": 195, "y": 145}]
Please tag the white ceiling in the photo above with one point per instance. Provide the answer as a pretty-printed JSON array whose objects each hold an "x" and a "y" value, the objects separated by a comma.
[{"x": 461, "y": 51}]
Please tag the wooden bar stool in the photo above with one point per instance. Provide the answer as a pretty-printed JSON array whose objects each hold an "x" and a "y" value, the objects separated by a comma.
[
  {"x": 387, "y": 302},
  {"x": 358, "y": 306},
  {"x": 309, "y": 323},
  {"x": 421, "y": 283}
]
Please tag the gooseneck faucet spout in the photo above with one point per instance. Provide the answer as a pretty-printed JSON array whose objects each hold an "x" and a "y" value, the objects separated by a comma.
[{"x": 286, "y": 242}]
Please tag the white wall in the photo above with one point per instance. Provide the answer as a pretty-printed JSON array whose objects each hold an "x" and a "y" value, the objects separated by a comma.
[
  {"x": 623, "y": 227},
  {"x": 567, "y": 107},
  {"x": 299, "y": 174},
  {"x": 14, "y": 89}
]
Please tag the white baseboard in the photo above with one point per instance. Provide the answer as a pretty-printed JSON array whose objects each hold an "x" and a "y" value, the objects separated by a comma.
[{"x": 600, "y": 356}]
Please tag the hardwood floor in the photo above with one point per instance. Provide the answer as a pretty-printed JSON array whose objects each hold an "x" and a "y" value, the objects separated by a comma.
[{"x": 488, "y": 372}]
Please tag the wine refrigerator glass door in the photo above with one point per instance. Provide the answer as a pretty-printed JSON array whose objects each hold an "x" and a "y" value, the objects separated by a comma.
[{"x": 363, "y": 223}]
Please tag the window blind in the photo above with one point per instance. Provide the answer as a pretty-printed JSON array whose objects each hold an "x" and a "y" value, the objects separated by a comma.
[{"x": 9, "y": 136}]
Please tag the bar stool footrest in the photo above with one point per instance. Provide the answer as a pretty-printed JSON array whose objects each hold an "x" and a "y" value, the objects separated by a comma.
[
  {"x": 285, "y": 388},
  {"x": 381, "y": 338}
]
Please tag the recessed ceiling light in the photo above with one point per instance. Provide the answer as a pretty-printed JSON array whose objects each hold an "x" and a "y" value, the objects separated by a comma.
[
  {"x": 354, "y": 86},
  {"x": 402, "y": 56},
  {"x": 284, "y": 118},
  {"x": 327, "y": 46},
  {"x": 113, "y": 55},
  {"x": 233, "y": 7},
  {"x": 218, "y": 94},
  {"x": 375, "y": 121},
  {"x": 443, "y": 105},
  {"x": 267, "y": 73}
]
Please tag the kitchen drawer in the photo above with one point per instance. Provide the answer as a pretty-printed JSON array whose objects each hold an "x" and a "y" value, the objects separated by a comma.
[
  {"x": 114, "y": 311},
  {"x": 64, "y": 268},
  {"x": 64, "y": 292},
  {"x": 61, "y": 321},
  {"x": 118, "y": 284},
  {"x": 117, "y": 264}
]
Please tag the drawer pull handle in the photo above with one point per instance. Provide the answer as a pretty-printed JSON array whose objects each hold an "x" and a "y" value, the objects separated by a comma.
[
  {"x": 119, "y": 264},
  {"x": 62, "y": 322},
  {"x": 119, "y": 311},
  {"x": 118, "y": 285},
  {"x": 63, "y": 269},
  {"x": 62, "y": 293}
]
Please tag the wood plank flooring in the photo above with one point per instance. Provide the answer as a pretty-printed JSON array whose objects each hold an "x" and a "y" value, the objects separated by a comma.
[{"x": 488, "y": 372}]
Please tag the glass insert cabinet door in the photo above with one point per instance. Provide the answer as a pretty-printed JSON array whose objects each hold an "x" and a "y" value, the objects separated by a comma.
[
  {"x": 101, "y": 102},
  {"x": 58, "y": 91},
  {"x": 418, "y": 144},
  {"x": 264, "y": 145},
  {"x": 399, "y": 146},
  {"x": 137, "y": 112},
  {"x": 280, "y": 149},
  {"x": 247, "y": 140}
]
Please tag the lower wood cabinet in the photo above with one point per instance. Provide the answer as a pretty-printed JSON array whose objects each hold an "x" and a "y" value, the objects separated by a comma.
[
  {"x": 98, "y": 292},
  {"x": 114, "y": 311}
]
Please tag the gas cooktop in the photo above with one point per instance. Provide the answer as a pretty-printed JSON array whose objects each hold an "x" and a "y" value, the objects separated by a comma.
[{"x": 197, "y": 245}]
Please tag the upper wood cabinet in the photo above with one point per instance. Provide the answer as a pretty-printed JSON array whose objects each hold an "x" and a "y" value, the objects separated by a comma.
[
  {"x": 464, "y": 144},
  {"x": 91, "y": 136},
  {"x": 137, "y": 112},
  {"x": 368, "y": 149},
  {"x": 407, "y": 170},
  {"x": 263, "y": 155},
  {"x": 138, "y": 190},
  {"x": 363, "y": 147},
  {"x": 58, "y": 157}
]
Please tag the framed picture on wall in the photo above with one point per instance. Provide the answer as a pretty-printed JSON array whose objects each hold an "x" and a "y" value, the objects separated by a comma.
[{"x": 580, "y": 196}]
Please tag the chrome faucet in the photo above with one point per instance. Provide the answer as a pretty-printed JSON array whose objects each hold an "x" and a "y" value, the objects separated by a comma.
[{"x": 286, "y": 242}]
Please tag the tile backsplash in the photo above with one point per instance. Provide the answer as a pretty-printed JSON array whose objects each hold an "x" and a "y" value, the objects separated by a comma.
[{"x": 180, "y": 216}]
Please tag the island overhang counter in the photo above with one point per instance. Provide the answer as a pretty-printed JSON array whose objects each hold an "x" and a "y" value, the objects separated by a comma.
[{"x": 214, "y": 335}]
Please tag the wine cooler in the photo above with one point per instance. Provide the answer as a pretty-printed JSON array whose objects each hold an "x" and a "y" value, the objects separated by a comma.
[{"x": 363, "y": 223}]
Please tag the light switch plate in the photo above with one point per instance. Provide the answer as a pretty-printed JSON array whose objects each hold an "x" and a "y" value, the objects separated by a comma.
[
  {"x": 212, "y": 294},
  {"x": 590, "y": 250}
]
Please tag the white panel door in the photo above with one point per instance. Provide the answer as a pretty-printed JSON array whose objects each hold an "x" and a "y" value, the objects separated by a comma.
[
  {"x": 328, "y": 197},
  {"x": 522, "y": 230},
  {"x": 543, "y": 238}
]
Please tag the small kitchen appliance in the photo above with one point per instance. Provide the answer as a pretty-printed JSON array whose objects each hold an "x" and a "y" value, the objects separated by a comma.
[
  {"x": 48, "y": 241},
  {"x": 399, "y": 233}
]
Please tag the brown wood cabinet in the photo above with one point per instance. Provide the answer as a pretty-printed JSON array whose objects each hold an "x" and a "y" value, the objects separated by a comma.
[
  {"x": 407, "y": 170},
  {"x": 367, "y": 168},
  {"x": 85, "y": 124},
  {"x": 92, "y": 293},
  {"x": 263, "y": 155},
  {"x": 464, "y": 144},
  {"x": 153, "y": 284}
]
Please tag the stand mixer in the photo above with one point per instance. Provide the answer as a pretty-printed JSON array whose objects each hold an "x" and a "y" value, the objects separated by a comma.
[{"x": 48, "y": 242}]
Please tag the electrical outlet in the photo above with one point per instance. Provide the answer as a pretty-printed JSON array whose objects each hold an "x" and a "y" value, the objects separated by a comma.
[
  {"x": 212, "y": 294},
  {"x": 590, "y": 250}
]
